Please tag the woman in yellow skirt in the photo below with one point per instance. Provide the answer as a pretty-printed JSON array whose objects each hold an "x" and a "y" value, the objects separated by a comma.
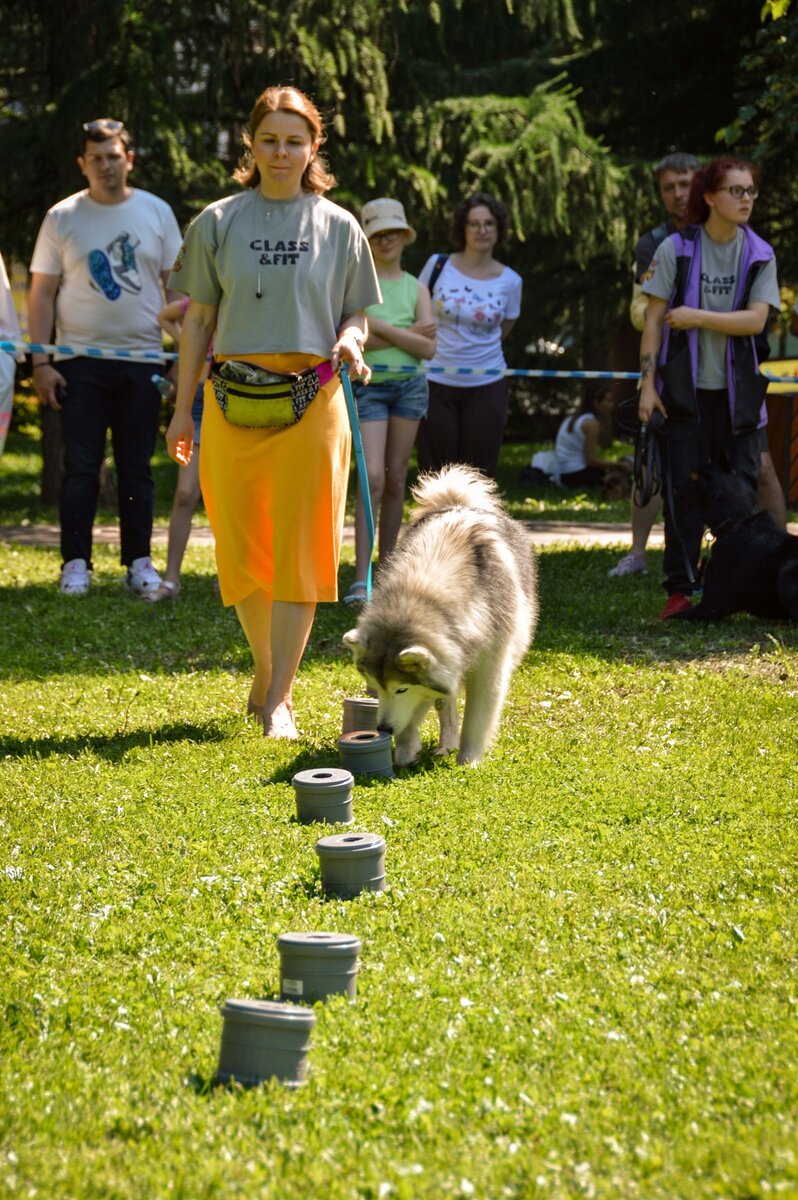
[{"x": 279, "y": 276}]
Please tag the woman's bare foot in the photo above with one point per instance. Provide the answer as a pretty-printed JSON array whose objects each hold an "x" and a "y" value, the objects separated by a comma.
[
  {"x": 253, "y": 709},
  {"x": 281, "y": 723}
]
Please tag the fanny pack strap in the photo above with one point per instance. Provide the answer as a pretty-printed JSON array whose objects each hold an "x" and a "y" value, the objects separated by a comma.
[
  {"x": 362, "y": 470},
  {"x": 325, "y": 372}
]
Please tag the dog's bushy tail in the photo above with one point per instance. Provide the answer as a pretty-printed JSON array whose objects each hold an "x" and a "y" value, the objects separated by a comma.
[{"x": 457, "y": 486}]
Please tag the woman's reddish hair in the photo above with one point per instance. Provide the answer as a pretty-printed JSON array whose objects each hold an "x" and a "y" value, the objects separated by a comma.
[
  {"x": 709, "y": 179},
  {"x": 316, "y": 178}
]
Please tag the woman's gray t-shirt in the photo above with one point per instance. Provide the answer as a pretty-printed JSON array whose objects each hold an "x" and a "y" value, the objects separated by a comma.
[
  {"x": 307, "y": 257},
  {"x": 720, "y": 266}
]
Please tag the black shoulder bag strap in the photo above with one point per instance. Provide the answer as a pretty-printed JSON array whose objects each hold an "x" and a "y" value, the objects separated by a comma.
[
  {"x": 440, "y": 263},
  {"x": 761, "y": 343}
]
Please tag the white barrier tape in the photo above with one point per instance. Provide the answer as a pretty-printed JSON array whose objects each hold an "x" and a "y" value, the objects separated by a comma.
[
  {"x": 87, "y": 351},
  {"x": 488, "y": 372}
]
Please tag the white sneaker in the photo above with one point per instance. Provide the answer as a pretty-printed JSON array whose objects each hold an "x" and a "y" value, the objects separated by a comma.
[
  {"x": 75, "y": 578},
  {"x": 634, "y": 563},
  {"x": 142, "y": 578}
]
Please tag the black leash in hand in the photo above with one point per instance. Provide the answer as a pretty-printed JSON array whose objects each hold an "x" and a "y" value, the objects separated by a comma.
[
  {"x": 648, "y": 461},
  {"x": 649, "y": 478}
]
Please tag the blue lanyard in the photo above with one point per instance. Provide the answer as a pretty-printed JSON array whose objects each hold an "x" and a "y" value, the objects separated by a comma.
[{"x": 362, "y": 472}]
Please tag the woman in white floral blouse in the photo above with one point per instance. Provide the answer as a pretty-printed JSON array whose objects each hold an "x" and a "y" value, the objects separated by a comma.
[{"x": 476, "y": 301}]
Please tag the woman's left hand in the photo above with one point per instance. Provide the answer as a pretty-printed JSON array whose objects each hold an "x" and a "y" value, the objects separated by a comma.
[
  {"x": 683, "y": 317},
  {"x": 348, "y": 349},
  {"x": 180, "y": 439}
]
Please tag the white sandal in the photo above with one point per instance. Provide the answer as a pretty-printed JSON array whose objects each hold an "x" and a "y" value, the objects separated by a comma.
[{"x": 166, "y": 590}]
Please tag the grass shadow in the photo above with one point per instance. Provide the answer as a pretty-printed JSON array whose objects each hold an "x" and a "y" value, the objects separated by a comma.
[{"x": 112, "y": 747}]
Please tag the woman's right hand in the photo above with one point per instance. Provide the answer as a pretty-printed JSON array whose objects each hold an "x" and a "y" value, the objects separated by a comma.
[
  {"x": 649, "y": 403},
  {"x": 47, "y": 381},
  {"x": 349, "y": 349},
  {"x": 180, "y": 438}
]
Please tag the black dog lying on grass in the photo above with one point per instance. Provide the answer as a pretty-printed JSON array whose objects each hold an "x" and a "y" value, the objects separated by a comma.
[{"x": 754, "y": 563}]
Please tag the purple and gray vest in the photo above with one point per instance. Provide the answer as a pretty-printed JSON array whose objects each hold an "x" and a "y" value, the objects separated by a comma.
[{"x": 678, "y": 360}]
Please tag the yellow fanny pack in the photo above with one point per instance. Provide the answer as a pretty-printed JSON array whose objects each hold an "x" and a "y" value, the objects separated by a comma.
[{"x": 255, "y": 398}]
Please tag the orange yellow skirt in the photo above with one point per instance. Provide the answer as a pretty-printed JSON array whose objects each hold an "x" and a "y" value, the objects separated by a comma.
[{"x": 276, "y": 498}]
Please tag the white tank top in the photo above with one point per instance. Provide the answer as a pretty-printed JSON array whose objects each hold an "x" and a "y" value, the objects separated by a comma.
[{"x": 570, "y": 445}]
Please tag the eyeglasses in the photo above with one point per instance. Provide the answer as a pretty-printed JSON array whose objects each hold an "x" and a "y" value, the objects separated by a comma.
[
  {"x": 103, "y": 125},
  {"x": 481, "y": 225},
  {"x": 738, "y": 191},
  {"x": 386, "y": 235}
]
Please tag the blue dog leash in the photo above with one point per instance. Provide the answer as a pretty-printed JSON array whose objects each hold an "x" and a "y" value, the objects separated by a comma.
[{"x": 362, "y": 472}]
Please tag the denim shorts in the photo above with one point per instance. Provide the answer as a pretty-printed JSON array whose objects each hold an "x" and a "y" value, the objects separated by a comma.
[
  {"x": 196, "y": 411},
  {"x": 380, "y": 400}
]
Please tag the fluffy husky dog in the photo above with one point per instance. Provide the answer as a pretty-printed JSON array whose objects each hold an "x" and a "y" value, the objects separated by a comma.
[{"x": 455, "y": 605}]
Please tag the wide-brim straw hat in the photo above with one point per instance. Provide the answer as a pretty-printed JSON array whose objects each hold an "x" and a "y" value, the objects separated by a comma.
[{"x": 380, "y": 215}]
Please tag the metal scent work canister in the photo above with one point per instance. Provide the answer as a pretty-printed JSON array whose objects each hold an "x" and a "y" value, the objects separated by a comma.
[
  {"x": 264, "y": 1040},
  {"x": 360, "y": 712},
  {"x": 314, "y": 966},
  {"x": 351, "y": 863},
  {"x": 325, "y": 795},
  {"x": 366, "y": 752}
]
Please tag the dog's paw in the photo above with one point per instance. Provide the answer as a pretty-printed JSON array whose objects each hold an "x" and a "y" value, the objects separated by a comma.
[
  {"x": 406, "y": 750},
  {"x": 470, "y": 757},
  {"x": 446, "y": 746}
]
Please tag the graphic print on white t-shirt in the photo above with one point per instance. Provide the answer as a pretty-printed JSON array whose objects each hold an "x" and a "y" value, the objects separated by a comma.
[
  {"x": 479, "y": 307},
  {"x": 115, "y": 269}
]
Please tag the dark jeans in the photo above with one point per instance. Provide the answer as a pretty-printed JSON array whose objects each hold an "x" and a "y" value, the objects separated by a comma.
[
  {"x": 687, "y": 446},
  {"x": 463, "y": 425},
  {"x": 101, "y": 395}
]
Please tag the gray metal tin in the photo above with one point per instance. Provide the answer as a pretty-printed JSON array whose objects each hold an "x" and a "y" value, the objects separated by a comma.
[
  {"x": 366, "y": 752},
  {"x": 351, "y": 863},
  {"x": 324, "y": 794},
  {"x": 262, "y": 1040},
  {"x": 360, "y": 712},
  {"x": 314, "y": 966}
]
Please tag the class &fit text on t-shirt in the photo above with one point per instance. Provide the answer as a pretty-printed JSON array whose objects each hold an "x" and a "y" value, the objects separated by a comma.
[{"x": 279, "y": 254}]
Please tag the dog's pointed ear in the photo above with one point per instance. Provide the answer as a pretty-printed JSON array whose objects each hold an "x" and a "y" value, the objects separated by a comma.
[
  {"x": 353, "y": 640},
  {"x": 413, "y": 657}
]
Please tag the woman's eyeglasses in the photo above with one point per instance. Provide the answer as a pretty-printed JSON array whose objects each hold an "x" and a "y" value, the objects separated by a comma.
[
  {"x": 738, "y": 191},
  {"x": 480, "y": 225}
]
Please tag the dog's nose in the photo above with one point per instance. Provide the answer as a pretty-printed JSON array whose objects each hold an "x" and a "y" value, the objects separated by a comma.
[{"x": 383, "y": 728}]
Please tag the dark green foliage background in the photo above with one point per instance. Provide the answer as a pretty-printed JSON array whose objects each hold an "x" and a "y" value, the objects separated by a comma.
[{"x": 559, "y": 106}]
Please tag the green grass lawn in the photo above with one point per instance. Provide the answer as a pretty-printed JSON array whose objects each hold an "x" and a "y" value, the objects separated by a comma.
[{"x": 580, "y": 981}]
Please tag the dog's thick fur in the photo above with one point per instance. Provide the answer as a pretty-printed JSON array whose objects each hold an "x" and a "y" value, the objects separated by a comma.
[
  {"x": 455, "y": 605},
  {"x": 753, "y": 566}
]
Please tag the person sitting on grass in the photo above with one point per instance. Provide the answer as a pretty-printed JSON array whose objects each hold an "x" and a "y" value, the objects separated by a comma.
[
  {"x": 579, "y": 463},
  {"x": 401, "y": 333}
]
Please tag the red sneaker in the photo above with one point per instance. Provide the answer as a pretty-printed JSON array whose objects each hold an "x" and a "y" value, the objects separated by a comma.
[{"x": 676, "y": 604}]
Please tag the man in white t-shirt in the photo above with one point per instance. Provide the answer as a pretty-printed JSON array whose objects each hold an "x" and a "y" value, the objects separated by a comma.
[{"x": 98, "y": 272}]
